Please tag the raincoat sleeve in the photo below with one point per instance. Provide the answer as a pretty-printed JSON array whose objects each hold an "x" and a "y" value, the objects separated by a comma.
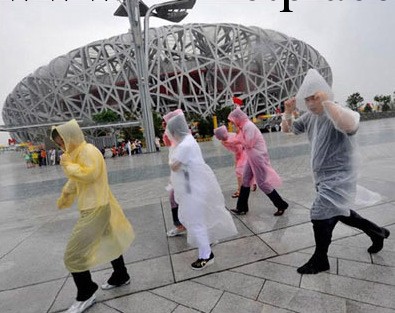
[
  {"x": 181, "y": 154},
  {"x": 68, "y": 195},
  {"x": 250, "y": 135},
  {"x": 344, "y": 119},
  {"x": 88, "y": 168}
]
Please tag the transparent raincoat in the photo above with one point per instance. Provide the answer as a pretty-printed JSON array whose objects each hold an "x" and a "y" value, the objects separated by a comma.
[
  {"x": 333, "y": 155},
  {"x": 257, "y": 154},
  {"x": 201, "y": 203},
  {"x": 166, "y": 118},
  {"x": 102, "y": 232}
]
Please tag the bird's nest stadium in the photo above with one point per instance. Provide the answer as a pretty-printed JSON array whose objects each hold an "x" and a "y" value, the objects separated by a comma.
[{"x": 195, "y": 67}]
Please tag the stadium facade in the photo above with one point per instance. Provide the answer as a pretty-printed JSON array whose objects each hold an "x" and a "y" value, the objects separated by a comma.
[{"x": 195, "y": 67}]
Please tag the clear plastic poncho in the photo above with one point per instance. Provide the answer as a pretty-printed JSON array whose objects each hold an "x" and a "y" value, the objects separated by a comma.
[
  {"x": 166, "y": 118},
  {"x": 102, "y": 232},
  {"x": 201, "y": 203},
  {"x": 333, "y": 156},
  {"x": 255, "y": 148}
]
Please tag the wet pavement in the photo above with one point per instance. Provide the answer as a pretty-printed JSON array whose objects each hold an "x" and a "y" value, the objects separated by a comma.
[{"x": 253, "y": 272}]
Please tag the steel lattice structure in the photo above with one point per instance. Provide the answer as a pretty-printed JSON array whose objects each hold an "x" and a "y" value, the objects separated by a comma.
[{"x": 195, "y": 67}]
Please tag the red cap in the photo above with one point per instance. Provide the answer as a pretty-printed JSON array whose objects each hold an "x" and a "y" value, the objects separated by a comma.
[{"x": 237, "y": 101}]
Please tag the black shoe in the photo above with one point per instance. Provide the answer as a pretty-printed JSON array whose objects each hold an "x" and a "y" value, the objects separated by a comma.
[
  {"x": 200, "y": 264},
  {"x": 378, "y": 242},
  {"x": 313, "y": 267},
  {"x": 237, "y": 212},
  {"x": 282, "y": 210},
  {"x": 116, "y": 280}
]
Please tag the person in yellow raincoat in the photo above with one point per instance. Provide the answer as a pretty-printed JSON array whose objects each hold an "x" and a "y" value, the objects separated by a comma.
[{"x": 102, "y": 232}]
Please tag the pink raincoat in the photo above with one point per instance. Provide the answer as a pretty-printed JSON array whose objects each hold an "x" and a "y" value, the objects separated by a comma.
[
  {"x": 258, "y": 161},
  {"x": 233, "y": 144}
]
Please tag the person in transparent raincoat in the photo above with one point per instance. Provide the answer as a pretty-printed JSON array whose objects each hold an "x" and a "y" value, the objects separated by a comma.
[
  {"x": 178, "y": 228},
  {"x": 201, "y": 203},
  {"x": 230, "y": 142},
  {"x": 258, "y": 165},
  {"x": 102, "y": 232},
  {"x": 330, "y": 129}
]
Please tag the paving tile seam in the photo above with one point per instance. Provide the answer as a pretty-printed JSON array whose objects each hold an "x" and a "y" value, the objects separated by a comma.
[
  {"x": 261, "y": 289},
  {"x": 171, "y": 300},
  {"x": 27, "y": 237},
  {"x": 350, "y": 299},
  {"x": 218, "y": 300},
  {"x": 35, "y": 284},
  {"x": 363, "y": 279},
  {"x": 345, "y": 298},
  {"x": 57, "y": 294},
  {"x": 109, "y": 306}
]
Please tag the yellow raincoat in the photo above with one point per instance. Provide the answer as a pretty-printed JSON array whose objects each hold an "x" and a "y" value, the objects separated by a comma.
[{"x": 102, "y": 232}]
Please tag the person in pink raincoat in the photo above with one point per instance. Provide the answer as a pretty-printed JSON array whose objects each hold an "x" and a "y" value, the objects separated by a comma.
[
  {"x": 231, "y": 143},
  {"x": 258, "y": 165}
]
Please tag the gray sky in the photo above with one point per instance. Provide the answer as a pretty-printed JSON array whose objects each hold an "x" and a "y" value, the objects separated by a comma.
[{"x": 356, "y": 37}]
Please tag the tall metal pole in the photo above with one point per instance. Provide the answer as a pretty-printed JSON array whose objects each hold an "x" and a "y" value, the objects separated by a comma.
[{"x": 133, "y": 11}]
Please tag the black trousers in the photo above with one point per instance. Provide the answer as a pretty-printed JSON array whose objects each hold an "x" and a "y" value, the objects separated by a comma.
[
  {"x": 323, "y": 230},
  {"x": 86, "y": 287}
]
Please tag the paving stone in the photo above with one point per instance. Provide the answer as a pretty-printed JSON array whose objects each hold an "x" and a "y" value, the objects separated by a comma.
[
  {"x": 249, "y": 249},
  {"x": 271, "y": 271},
  {"x": 351, "y": 288},
  {"x": 370, "y": 272},
  {"x": 234, "y": 303},
  {"x": 142, "y": 303},
  {"x": 192, "y": 295},
  {"x": 243, "y": 285},
  {"x": 300, "y": 300}
]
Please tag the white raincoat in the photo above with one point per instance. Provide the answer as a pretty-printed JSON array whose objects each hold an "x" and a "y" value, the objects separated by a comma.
[{"x": 201, "y": 203}]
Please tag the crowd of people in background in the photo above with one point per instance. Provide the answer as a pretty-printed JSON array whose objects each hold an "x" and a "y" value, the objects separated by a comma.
[
  {"x": 37, "y": 157},
  {"x": 41, "y": 157}
]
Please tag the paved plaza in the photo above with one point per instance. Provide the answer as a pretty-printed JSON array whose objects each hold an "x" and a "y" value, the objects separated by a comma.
[{"x": 254, "y": 272}]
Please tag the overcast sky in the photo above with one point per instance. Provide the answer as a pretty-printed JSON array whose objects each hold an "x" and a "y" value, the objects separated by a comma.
[{"x": 357, "y": 38}]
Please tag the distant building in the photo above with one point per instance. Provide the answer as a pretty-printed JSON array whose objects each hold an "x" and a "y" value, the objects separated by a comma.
[{"x": 195, "y": 67}]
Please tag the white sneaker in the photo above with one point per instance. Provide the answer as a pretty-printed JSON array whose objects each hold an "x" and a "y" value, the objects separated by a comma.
[
  {"x": 81, "y": 306},
  {"x": 107, "y": 286},
  {"x": 176, "y": 232}
]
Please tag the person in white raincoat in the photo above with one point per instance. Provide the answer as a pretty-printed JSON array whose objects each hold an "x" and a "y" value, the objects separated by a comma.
[
  {"x": 330, "y": 129},
  {"x": 178, "y": 228},
  {"x": 102, "y": 232},
  {"x": 201, "y": 203}
]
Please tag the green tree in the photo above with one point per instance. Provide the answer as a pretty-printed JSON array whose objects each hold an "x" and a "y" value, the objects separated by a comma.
[
  {"x": 157, "y": 119},
  {"x": 354, "y": 101},
  {"x": 222, "y": 114},
  {"x": 106, "y": 116},
  {"x": 384, "y": 101}
]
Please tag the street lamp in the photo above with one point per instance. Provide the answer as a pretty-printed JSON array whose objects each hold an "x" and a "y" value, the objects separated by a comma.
[{"x": 173, "y": 11}]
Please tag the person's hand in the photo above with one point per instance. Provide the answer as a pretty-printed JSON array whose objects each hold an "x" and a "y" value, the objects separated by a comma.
[
  {"x": 320, "y": 96},
  {"x": 65, "y": 201},
  {"x": 290, "y": 106},
  {"x": 175, "y": 166},
  {"x": 65, "y": 159}
]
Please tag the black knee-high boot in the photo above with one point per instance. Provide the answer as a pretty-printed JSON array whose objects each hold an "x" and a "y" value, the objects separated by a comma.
[
  {"x": 242, "y": 201},
  {"x": 323, "y": 237},
  {"x": 85, "y": 286},
  {"x": 375, "y": 232},
  {"x": 278, "y": 202},
  {"x": 120, "y": 275}
]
